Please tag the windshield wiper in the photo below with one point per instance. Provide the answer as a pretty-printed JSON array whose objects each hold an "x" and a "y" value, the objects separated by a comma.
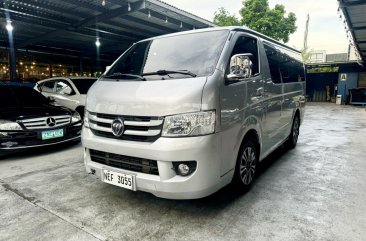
[
  {"x": 167, "y": 72},
  {"x": 119, "y": 75}
]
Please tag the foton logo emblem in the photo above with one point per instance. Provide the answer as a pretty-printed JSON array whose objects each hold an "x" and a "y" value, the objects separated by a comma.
[{"x": 118, "y": 127}]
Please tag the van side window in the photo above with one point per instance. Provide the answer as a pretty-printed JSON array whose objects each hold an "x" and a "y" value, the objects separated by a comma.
[
  {"x": 285, "y": 66},
  {"x": 248, "y": 45}
]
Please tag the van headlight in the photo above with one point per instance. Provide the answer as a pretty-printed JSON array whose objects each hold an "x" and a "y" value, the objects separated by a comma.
[
  {"x": 75, "y": 117},
  {"x": 6, "y": 125},
  {"x": 191, "y": 124},
  {"x": 86, "y": 119}
]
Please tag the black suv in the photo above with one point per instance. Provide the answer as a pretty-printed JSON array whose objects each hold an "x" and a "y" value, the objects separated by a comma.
[{"x": 28, "y": 119}]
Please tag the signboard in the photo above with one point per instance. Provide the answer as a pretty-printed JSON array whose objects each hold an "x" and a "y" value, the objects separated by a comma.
[
  {"x": 323, "y": 69},
  {"x": 343, "y": 76}
]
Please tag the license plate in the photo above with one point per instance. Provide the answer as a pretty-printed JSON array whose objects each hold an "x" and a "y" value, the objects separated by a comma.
[
  {"x": 52, "y": 134},
  {"x": 119, "y": 179}
]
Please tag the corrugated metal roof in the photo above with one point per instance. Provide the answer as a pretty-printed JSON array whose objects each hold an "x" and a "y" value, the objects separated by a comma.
[
  {"x": 70, "y": 27},
  {"x": 354, "y": 12}
]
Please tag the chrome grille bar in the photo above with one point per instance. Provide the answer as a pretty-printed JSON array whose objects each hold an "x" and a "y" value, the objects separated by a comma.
[
  {"x": 136, "y": 128},
  {"x": 41, "y": 122}
]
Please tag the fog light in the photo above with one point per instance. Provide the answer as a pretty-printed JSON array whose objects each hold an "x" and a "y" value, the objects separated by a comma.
[{"x": 184, "y": 168}]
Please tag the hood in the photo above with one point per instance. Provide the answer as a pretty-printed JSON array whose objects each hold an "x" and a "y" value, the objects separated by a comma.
[
  {"x": 146, "y": 98},
  {"x": 20, "y": 113}
]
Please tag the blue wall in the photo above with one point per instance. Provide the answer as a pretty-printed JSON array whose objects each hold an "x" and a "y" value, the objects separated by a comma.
[{"x": 350, "y": 83}]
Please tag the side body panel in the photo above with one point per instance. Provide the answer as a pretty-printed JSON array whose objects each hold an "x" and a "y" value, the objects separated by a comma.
[{"x": 241, "y": 109}]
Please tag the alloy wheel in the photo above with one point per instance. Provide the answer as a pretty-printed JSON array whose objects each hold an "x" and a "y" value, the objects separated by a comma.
[{"x": 248, "y": 165}]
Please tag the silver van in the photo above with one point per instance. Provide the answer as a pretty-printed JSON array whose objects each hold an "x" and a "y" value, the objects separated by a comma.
[{"x": 182, "y": 115}]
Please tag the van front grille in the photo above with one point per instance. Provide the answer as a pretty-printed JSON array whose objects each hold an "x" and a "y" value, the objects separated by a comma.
[
  {"x": 125, "y": 162},
  {"x": 136, "y": 128}
]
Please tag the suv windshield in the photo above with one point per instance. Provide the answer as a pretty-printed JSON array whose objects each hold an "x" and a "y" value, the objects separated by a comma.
[{"x": 195, "y": 53}]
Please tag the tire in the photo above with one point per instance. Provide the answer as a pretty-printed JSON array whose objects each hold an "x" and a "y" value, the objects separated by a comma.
[
  {"x": 294, "y": 135},
  {"x": 246, "y": 166}
]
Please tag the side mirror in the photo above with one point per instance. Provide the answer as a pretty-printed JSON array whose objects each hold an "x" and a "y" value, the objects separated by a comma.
[{"x": 241, "y": 67}]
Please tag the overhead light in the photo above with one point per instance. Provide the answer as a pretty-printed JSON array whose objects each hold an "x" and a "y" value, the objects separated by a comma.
[
  {"x": 149, "y": 15},
  {"x": 129, "y": 7},
  {"x": 8, "y": 26},
  {"x": 97, "y": 43},
  {"x": 103, "y": 3}
]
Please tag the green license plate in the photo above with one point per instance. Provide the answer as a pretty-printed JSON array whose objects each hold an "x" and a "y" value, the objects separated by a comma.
[{"x": 52, "y": 134}]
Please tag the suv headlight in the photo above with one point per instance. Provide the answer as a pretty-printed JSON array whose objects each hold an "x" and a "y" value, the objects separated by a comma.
[
  {"x": 191, "y": 124},
  {"x": 6, "y": 125},
  {"x": 75, "y": 117},
  {"x": 86, "y": 119}
]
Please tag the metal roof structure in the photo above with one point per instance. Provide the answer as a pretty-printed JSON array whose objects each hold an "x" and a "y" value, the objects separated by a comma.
[
  {"x": 70, "y": 28},
  {"x": 354, "y": 12}
]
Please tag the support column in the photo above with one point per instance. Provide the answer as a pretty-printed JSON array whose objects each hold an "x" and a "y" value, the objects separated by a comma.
[
  {"x": 12, "y": 65},
  {"x": 50, "y": 70},
  {"x": 81, "y": 66}
]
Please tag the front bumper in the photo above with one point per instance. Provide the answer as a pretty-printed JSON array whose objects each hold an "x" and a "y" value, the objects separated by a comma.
[
  {"x": 20, "y": 140},
  {"x": 167, "y": 184}
]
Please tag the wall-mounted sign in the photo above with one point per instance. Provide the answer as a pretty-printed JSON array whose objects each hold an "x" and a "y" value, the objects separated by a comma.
[
  {"x": 324, "y": 69},
  {"x": 343, "y": 76}
]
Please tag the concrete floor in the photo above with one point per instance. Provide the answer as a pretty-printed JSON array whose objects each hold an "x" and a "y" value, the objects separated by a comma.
[{"x": 314, "y": 192}]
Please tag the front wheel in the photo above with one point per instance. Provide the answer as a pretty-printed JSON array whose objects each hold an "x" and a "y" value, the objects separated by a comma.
[
  {"x": 246, "y": 166},
  {"x": 294, "y": 135}
]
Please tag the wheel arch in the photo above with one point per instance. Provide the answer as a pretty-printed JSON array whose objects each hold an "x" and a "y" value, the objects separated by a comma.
[{"x": 253, "y": 135}]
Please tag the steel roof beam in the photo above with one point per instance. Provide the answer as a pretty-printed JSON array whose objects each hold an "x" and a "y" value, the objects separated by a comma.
[
  {"x": 107, "y": 14},
  {"x": 344, "y": 3},
  {"x": 86, "y": 4},
  {"x": 39, "y": 13},
  {"x": 359, "y": 28},
  {"x": 350, "y": 26}
]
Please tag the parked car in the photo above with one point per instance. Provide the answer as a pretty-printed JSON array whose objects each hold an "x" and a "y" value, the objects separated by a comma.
[
  {"x": 187, "y": 113},
  {"x": 67, "y": 91},
  {"x": 28, "y": 120}
]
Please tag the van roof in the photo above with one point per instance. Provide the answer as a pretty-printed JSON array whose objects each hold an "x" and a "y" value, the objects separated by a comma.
[{"x": 230, "y": 28}]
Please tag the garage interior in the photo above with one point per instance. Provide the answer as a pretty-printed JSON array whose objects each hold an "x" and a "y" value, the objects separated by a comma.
[{"x": 79, "y": 37}]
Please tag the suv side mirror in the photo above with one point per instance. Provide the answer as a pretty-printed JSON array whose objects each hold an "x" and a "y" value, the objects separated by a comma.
[{"x": 241, "y": 67}]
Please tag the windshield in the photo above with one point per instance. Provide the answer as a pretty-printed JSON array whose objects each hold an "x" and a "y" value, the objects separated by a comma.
[
  {"x": 83, "y": 84},
  {"x": 15, "y": 96},
  {"x": 197, "y": 53}
]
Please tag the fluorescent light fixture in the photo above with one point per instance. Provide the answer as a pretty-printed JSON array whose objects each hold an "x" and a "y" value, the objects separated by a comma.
[
  {"x": 97, "y": 43},
  {"x": 8, "y": 26}
]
